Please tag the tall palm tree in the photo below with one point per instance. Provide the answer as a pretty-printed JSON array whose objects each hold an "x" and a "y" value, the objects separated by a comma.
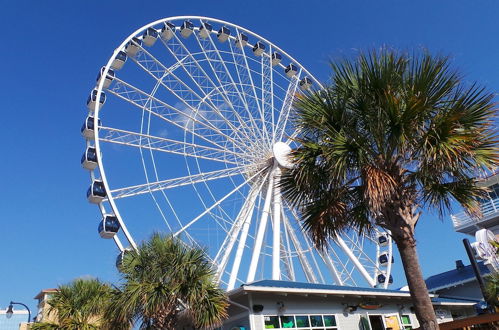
[
  {"x": 166, "y": 279},
  {"x": 392, "y": 134},
  {"x": 77, "y": 305}
]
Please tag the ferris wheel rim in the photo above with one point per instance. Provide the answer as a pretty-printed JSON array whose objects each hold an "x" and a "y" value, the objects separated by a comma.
[{"x": 100, "y": 88}]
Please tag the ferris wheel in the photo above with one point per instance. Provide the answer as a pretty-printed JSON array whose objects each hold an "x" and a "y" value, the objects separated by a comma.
[{"x": 188, "y": 129}]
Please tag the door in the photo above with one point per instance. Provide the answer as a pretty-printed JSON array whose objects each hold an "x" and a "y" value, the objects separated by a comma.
[{"x": 376, "y": 322}]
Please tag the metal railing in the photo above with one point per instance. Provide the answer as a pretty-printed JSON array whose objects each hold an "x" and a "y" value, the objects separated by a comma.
[{"x": 489, "y": 209}]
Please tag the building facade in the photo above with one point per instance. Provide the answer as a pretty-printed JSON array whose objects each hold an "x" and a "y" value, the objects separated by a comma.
[
  {"x": 17, "y": 321},
  {"x": 271, "y": 304}
]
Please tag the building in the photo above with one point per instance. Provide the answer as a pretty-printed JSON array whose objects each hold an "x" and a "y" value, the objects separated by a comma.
[
  {"x": 459, "y": 283},
  {"x": 43, "y": 314},
  {"x": 18, "y": 320},
  {"x": 271, "y": 304},
  {"x": 465, "y": 224}
]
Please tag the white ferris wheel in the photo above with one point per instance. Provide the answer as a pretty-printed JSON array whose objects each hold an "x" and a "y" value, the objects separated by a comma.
[{"x": 188, "y": 128}]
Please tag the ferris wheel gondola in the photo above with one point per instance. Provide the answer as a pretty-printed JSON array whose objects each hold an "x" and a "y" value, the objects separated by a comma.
[{"x": 198, "y": 132}]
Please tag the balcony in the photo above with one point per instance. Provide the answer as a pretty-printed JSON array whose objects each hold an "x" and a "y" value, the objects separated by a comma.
[{"x": 463, "y": 223}]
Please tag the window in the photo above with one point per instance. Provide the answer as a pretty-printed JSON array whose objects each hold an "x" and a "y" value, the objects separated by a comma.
[
  {"x": 302, "y": 321},
  {"x": 271, "y": 322},
  {"x": 406, "y": 322},
  {"x": 329, "y": 321},
  {"x": 318, "y": 322}
]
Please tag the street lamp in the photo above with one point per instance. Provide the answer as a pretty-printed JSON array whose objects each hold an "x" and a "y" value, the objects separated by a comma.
[{"x": 10, "y": 311}]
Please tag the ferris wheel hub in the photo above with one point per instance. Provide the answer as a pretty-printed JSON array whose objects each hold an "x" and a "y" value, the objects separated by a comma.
[{"x": 282, "y": 153}]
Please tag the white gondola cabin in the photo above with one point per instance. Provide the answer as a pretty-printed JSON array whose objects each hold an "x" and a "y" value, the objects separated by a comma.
[
  {"x": 186, "y": 29},
  {"x": 89, "y": 159},
  {"x": 92, "y": 99},
  {"x": 150, "y": 36},
  {"x": 167, "y": 31},
  {"x": 109, "y": 226},
  {"x": 383, "y": 240},
  {"x": 305, "y": 83},
  {"x": 258, "y": 49},
  {"x": 276, "y": 58},
  {"x": 133, "y": 47},
  {"x": 96, "y": 192},
  {"x": 241, "y": 40},
  {"x": 382, "y": 279},
  {"x": 121, "y": 257},
  {"x": 205, "y": 30},
  {"x": 119, "y": 60},
  {"x": 291, "y": 70},
  {"x": 383, "y": 259},
  {"x": 223, "y": 34},
  {"x": 87, "y": 130},
  {"x": 109, "y": 77}
]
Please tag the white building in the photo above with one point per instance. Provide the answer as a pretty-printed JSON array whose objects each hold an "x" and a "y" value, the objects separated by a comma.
[
  {"x": 463, "y": 223},
  {"x": 271, "y": 304}
]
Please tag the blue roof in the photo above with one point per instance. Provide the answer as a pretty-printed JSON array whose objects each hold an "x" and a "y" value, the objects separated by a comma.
[
  {"x": 454, "y": 277},
  {"x": 315, "y": 286}
]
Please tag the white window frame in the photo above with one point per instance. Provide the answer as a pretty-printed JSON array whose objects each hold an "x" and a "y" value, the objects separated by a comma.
[{"x": 336, "y": 327}]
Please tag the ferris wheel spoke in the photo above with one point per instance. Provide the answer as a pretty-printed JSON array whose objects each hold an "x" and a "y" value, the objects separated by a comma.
[
  {"x": 189, "y": 100},
  {"x": 166, "y": 112},
  {"x": 268, "y": 94},
  {"x": 177, "y": 182},
  {"x": 190, "y": 223},
  {"x": 286, "y": 252},
  {"x": 139, "y": 140},
  {"x": 246, "y": 81},
  {"x": 358, "y": 249},
  {"x": 286, "y": 108},
  {"x": 225, "y": 78},
  {"x": 341, "y": 243},
  {"x": 180, "y": 89},
  {"x": 307, "y": 269},
  {"x": 206, "y": 85}
]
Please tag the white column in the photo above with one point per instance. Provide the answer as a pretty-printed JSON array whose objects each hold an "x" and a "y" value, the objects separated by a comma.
[
  {"x": 276, "y": 217},
  {"x": 261, "y": 231},
  {"x": 242, "y": 240}
]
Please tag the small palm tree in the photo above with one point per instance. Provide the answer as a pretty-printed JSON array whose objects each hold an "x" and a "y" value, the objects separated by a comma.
[
  {"x": 77, "y": 305},
  {"x": 392, "y": 135},
  {"x": 163, "y": 280},
  {"x": 492, "y": 289}
]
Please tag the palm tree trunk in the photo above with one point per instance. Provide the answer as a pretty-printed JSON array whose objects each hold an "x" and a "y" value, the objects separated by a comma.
[{"x": 422, "y": 303}]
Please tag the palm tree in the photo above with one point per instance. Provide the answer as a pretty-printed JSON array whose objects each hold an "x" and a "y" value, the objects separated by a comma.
[
  {"x": 492, "y": 290},
  {"x": 393, "y": 134},
  {"x": 77, "y": 305},
  {"x": 163, "y": 280}
]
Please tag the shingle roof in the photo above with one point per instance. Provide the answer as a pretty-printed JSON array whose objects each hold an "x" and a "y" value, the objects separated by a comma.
[{"x": 454, "y": 277}]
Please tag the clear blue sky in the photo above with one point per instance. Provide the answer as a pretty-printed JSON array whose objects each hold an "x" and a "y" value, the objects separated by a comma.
[{"x": 49, "y": 59}]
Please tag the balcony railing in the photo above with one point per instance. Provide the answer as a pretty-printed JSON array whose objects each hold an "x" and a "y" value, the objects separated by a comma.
[{"x": 489, "y": 209}]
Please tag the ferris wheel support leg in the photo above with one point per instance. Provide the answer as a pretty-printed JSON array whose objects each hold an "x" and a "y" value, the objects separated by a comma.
[
  {"x": 305, "y": 265},
  {"x": 118, "y": 243},
  {"x": 261, "y": 231},
  {"x": 390, "y": 256},
  {"x": 355, "y": 261},
  {"x": 276, "y": 248},
  {"x": 242, "y": 241},
  {"x": 330, "y": 265},
  {"x": 240, "y": 225}
]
